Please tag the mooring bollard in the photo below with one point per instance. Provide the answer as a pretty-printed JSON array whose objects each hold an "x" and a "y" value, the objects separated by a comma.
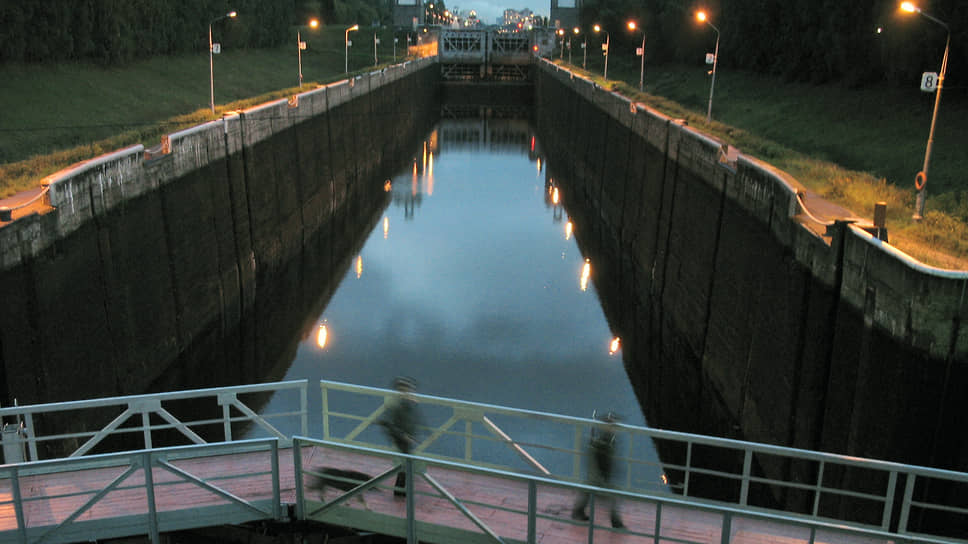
[
  {"x": 880, "y": 220},
  {"x": 6, "y": 214}
]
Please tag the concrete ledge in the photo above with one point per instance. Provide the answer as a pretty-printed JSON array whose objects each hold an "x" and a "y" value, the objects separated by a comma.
[{"x": 92, "y": 187}]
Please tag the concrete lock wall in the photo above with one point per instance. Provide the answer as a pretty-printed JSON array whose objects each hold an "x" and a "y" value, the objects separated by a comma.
[
  {"x": 140, "y": 260},
  {"x": 741, "y": 321}
]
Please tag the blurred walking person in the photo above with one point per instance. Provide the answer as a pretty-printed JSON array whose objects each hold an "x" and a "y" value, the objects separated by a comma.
[
  {"x": 601, "y": 462},
  {"x": 400, "y": 424}
]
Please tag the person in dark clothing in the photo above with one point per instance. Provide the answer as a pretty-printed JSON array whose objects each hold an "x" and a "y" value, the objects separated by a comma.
[
  {"x": 400, "y": 423},
  {"x": 601, "y": 461}
]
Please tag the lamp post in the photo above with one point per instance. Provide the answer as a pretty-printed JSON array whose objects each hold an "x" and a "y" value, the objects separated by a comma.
[
  {"x": 641, "y": 53},
  {"x": 211, "y": 59},
  {"x": 346, "y": 48},
  {"x": 921, "y": 180},
  {"x": 703, "y": 18},
  {"x": 300, "y": 45},
  {"x": 575, "y": 30},
  {"x": 598, "y": 28},
  {"x": 561, "y": 34}
]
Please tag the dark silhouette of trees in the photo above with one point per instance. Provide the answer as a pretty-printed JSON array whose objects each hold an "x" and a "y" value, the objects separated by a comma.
[
  {"x": 117, "y": 31},
  {"x": 805, "y": 40}
]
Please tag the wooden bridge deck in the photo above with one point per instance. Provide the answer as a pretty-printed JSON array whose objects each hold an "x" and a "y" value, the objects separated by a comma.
[{"x": 498, "y": 503}]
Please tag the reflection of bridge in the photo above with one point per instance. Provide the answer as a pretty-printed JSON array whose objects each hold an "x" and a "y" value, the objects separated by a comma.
[
  {"x": 480, "y": 473},
  {"x": 490, "y": 54}
]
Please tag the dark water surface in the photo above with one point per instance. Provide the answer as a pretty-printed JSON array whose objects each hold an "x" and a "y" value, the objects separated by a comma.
[{"x": 471, "y": 282}]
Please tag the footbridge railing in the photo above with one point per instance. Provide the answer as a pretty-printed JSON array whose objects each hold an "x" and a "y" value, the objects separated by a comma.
[
  {"x": 754, "y": 477},
  {"x": 818, "y": 487},
  {"x": 460, "y": 502},
  {"x": 200, "y": 416}
]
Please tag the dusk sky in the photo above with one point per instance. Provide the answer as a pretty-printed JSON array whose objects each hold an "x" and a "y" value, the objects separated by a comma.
[{"x": 489, "y": 10}]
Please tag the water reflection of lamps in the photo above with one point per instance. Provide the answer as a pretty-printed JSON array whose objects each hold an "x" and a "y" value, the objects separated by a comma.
[
  {"x": 569, "y": 228},
  {"x": 586, "y": 272},
  {"x": 322, "y": 335},
  {"x": 359, "y": 266},
  {"x": 386, "y": 227},
  {"x": 614, "y": 346}
]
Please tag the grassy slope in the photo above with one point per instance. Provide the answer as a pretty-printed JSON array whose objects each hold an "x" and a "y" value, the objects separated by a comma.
[
  {"x": 855, "y": 147},
  {"x": 63, "y": 112}
]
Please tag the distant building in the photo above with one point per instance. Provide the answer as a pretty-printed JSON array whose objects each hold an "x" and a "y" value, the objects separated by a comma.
[
  {"x": 565, "y": 13},
  {"x": 407, "y": 13},
  {"x": 521, "y": 19}
]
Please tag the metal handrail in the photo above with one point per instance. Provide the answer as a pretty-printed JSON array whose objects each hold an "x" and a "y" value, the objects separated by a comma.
[
  {"x": 227, "y": 410},
  {"x": 415, "y": 465},
  {"x": 751, "y": 477},
  {"x": 143, "y": 462},
  {"x": 876, "y": 489}
]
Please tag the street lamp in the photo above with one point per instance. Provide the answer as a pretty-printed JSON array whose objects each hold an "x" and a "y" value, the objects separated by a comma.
[
  {"x": 211, "y": 59},
  {"x": 598, "y": 28},
  {"x": 576, "y": 31},
  {"x": 300, "y": 45},
  {"x": 346, "y": 48},
  {"x": 703, "y": 18},
  {"x": 641, "y": 53},
  {"x": 921, "y": 180}
]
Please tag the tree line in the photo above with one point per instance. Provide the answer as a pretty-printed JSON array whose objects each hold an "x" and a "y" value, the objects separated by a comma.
[
  {"x": 113, "y": 32},
  {"x": 857, "y": 42}
]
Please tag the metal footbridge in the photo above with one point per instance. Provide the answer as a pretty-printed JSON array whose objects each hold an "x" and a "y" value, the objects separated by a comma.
[{"x": 153, "y": 464}]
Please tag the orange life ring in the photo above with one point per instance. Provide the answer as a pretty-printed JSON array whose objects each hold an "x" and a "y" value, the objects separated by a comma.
[{"x": 920, "y": 180}]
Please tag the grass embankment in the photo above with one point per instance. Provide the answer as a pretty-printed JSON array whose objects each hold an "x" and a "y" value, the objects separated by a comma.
[
  {"x": 855, "y": 147},
  {"x": 55, "y": 116}
]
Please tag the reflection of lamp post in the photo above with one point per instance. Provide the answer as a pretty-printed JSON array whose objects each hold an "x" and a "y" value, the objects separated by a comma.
[
  {"x": 313, "y": 23},
  {"x": 702, "y": 18},
  {"x": 346, "y": 48},
  {"x": 641, "y": 52},
  {"x": 598, "y": 28},
  {"x": 921, "y": 180},
  {"x": 211, "y": 60}
]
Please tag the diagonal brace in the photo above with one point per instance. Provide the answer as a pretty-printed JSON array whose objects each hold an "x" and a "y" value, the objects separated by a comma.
[
  {"x": 356, "y": 490},
  {"x": 460, "y": 506},
  {"x": 205, "y": 485}
]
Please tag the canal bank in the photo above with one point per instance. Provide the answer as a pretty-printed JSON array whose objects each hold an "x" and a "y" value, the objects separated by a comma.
[
  {"x": 742, "y": 320},
  {"x": 140, "y": 258}
]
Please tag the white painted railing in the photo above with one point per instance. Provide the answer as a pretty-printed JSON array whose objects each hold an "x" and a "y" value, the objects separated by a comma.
[
  {"x": 805, "y": 484},
  {"x": 152, "y": 484},
  {"x": 818, "y": 489},
  {"x": 77, "y": 428}
]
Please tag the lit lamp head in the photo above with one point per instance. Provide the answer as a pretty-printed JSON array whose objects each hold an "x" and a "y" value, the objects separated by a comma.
[
  {"x": 597, "y": 28},
  {"x": 576, "y": 30},
  {"x": 701, "y": 16},
  {"x": 233, "y": 13},
  {"x": 909, "y": 7},
  {"x": 632, "y": 26},
  {"x": 313, "y": 23}
]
